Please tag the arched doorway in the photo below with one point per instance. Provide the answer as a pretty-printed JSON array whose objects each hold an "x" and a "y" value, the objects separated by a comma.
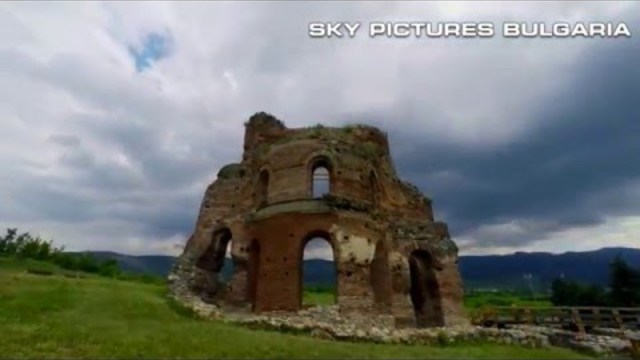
[
  {"x": 318, "y": 276},
  {"x": 215, "y": 264},
  {"x": 425, "y": 291}
]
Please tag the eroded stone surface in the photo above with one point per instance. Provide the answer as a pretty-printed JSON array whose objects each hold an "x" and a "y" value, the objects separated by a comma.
[
  {"x": 392, "y": 259},
  {"x": 329, "y": 323}
]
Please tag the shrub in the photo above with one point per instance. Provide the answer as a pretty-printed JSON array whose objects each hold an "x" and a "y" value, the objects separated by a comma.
[
  {"x": 624, "y": 283},
  {"x": 571, "y": 293},
  {"x": 26, "y": 246}
]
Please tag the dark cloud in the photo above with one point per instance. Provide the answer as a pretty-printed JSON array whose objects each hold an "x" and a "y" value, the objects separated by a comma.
[
  {"x": 498, "y": 133},
  {"x": 585, "y": 150}
]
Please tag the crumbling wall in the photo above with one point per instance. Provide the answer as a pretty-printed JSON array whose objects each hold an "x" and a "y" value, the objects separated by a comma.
[
  {"x": 196, "y": 271},
  {"x": 376, "y": 224}
]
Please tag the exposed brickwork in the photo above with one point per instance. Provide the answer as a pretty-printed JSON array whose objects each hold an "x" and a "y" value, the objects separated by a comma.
[{"x": 376, "y": 224}]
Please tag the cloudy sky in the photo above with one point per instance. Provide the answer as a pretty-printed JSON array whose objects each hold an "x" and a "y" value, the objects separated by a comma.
[{"x": 116, "y": 115}]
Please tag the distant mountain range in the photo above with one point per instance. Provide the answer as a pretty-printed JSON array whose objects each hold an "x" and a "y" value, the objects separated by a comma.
[{"x": 478, "y": 272}]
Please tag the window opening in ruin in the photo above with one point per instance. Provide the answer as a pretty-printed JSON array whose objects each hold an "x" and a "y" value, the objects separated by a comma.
[
  {"x": 321, "y": 179},
  {"x": 318, "y": 273},
  {"x": 216, "y": 263},
  {"x": 262, "y": 193},
  {"x": 425, "y": 291},
  {"x": 227, "y": 265}
]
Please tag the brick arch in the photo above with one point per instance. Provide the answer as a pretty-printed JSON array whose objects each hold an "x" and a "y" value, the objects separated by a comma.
[
  {"x": 326, "y": 160},
  {"x": 426, "y": 247},
  {"x": 212, "y": 258},
  {"x": 321, "y": 154},
  {"x": 209, "y": 264},
  {"x": 330, "y": 239}
]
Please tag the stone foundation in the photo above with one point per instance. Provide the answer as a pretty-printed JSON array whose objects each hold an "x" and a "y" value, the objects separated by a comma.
[{"x": 330, "y": 323}]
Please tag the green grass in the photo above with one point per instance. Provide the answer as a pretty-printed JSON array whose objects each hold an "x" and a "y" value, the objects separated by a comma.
[
  {"x": 16, "y": 264},
  {"x": 318, "y": 295},
  {"x": 94, "y": 317},
  {"x": 475, "y": 301},
  {"x": 318, "y": 298}
]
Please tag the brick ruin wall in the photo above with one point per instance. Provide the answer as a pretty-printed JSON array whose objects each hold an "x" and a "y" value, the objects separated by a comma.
[{"x": 390, "y": 256}]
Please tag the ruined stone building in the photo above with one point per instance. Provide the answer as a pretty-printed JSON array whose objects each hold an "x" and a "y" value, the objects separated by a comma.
[{"x": 390, "y": 256}]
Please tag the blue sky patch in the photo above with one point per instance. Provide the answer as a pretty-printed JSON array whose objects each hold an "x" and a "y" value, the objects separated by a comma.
[{"x": 154, "y": 47}]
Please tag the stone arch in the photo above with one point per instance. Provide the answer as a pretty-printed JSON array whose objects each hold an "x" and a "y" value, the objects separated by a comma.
[
  {"x": 315, "y": 234},
  {"x": 212, "y": 258},
  {"x": 380, "y": 276},
  {"x": 425, "y": 289},
  {"x": 211, "y": 262},
  {"x": 321, "y": 175},
  {"x": 262, "y": 189}
]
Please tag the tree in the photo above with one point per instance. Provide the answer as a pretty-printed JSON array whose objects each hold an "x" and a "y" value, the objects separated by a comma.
[
  {"x": 624, "y": 282},
  {"x": 571, "y": 293},
  {"x": 560, "y": 293},
  {"x": 7, "y": 240},
  {"x": 109, "y": 268}
]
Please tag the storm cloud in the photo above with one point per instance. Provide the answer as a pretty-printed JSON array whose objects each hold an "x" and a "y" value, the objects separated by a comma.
[
  {"x": 575, "y": 170},
  {"x": 116, "y": 116}
]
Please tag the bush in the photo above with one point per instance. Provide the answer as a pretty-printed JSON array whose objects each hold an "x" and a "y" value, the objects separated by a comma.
[
  {"x": 25, "y": 246},
  {"x": 571, "y": 293},
  {"x": 624, "y": 282}
]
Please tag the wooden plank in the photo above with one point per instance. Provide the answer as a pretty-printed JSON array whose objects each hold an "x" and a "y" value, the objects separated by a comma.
[
  {"x": 617, "y": 319},
  {"x": 578, "y": 321},
  {"x": 560, "y": 315}
]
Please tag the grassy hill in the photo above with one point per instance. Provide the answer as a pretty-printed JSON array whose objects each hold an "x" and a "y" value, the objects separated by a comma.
[
  {"x": 141, "y": 264},
  {"x": 60, "y": 316}
]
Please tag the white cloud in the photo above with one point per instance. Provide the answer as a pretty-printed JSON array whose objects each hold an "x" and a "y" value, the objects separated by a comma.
[
  {"x": 141, "y": 147},
  {"x": 623, "y": 231},
  {"x": 318, "y": 249}
]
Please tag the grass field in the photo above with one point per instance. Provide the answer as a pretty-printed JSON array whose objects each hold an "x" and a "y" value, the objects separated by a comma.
[
  {"x": 56, "y": 316},
  {"x": 475, "y": 301},
  {"x": 316, "y": 296}
]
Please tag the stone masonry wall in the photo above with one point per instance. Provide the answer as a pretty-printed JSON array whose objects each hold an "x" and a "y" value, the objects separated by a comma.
[{"x": 377, "y": 225}]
